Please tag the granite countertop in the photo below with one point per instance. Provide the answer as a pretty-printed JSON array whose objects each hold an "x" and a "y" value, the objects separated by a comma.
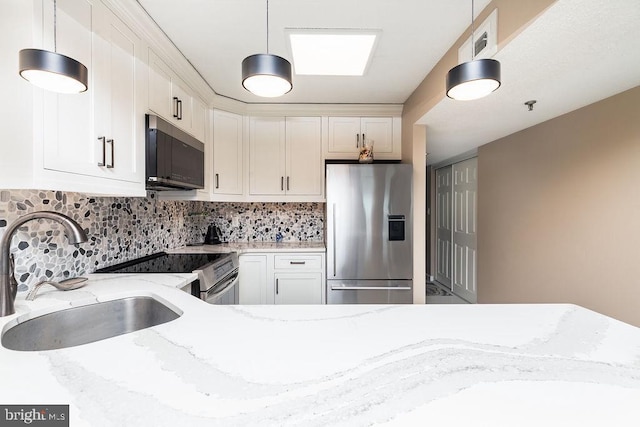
[
  {"x": 350, "y": 365},
  {"x": 246, "y": 247}
]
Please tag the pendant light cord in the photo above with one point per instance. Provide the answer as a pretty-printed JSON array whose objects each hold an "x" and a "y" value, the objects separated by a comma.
[
  {"x": 267, "y": 27},
  {"x": 55, "y": 25},
  {"x": 473, "y": 51}
]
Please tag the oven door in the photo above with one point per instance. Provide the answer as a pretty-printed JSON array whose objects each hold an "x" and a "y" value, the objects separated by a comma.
[{"x": 226, "y": 292}]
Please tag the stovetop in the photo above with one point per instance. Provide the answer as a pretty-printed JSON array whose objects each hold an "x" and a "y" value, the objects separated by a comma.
[{"x": 163, "y": 263}]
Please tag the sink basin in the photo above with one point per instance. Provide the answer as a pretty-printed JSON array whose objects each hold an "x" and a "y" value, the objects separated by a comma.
[{"x": 87, "y": 323}]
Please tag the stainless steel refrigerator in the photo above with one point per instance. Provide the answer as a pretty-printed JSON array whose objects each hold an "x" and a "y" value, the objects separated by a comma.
[{"x": 369, "y": 234}]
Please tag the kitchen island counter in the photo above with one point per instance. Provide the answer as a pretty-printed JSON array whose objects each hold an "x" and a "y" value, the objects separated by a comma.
[{"x": 349, "y": 365}]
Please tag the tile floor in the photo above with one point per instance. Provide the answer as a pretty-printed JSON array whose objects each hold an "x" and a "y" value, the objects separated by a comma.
[{"x": 439, "y": 294}]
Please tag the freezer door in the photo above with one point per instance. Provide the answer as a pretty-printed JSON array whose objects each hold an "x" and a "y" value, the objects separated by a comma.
[
  {"x": 369, "y": 222},
  {"x": 369, "y": 292}
]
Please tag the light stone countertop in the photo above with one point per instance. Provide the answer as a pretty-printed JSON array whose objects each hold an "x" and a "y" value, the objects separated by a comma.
[
  {"x": 250, "y": 247},
  {"x": 336, "y": 365}
]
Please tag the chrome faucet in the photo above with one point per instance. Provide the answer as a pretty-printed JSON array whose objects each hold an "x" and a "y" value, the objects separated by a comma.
[{"x": 8, "y": 283}]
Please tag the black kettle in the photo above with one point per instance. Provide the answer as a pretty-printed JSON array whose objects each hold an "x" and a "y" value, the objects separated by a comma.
[{"x": 213, "y": 235}]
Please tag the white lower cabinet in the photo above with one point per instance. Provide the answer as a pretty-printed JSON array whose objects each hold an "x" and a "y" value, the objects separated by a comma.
[
  {"x": 298, "y": 288},
  {"x": 282, "y": 278},
  {"x": 253, "y": 279}
]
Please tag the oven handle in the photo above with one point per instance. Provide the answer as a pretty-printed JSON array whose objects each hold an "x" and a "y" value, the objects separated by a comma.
[{"x": 226, "y": 285}]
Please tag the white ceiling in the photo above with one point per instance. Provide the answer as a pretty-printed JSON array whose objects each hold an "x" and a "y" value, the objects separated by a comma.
[
  {"x": 216, "y": 35},
  {"x": 578, "y": 52}
]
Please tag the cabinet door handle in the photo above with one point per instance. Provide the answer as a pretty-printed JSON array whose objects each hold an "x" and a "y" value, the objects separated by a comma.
[
  {"x": 104, "y": 151},
  {"x": 287, "y": 183},
  {"x": 179, "y": 109},
  {"x": 277, "y": 286},
  {"x": 175, "y": 107},
  {"x": 297, "y": 262},
  {"x": 110, "y": 141},
  {"x": 217, "y": 181},
  {"x": 357, "y": 140},
  {"x": 282, "y": 183},
  {"x": 363, "y": 139}
]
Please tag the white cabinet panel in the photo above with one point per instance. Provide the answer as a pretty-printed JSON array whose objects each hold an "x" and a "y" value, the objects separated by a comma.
[
  {"x": 253, "y": 279},
  {"x": 116, "y": 110},
  {"x": 285, "y": 156},
  {"x": 267, "y": 155},
  {"x": 297, "y": 262},
  {"x": 344, "y": 135},
  {"x": 379, "y": 131},
  {"x": 282, "y": 278},
  {"x": 347, "y": 135},
  {"x": 228, "y": 158},
  {"x": 94, "y": 133},
  {"x": 173, "y": 100},
  {"x": 160, "y": 101},
  {"x": 298, "y": 288},
  {"x": 304, "y": 156},
  {"x": 198, "y": 118},
  {"x": 68, "y": 144}
]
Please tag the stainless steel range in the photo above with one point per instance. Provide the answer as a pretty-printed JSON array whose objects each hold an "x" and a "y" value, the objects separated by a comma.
[{"x": 217, "y": 273}]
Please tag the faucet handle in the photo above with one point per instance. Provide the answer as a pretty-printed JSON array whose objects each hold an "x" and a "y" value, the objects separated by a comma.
[
  {"x": 13, "y": 283},
  {"x": 65, "y": 285}
]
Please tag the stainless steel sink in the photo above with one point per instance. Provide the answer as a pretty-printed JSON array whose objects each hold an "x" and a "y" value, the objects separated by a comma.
[{"x": 87, "y": 323}]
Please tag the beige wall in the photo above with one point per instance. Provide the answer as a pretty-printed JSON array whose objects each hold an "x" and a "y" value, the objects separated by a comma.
[
  {"x": 512, "y": 18},
  {"x": 559, "y": 211}
]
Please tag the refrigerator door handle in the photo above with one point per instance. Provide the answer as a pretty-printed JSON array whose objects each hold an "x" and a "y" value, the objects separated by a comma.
[
  {"x": 370, "y": 288},
  {"x": 334, "y": 239}
]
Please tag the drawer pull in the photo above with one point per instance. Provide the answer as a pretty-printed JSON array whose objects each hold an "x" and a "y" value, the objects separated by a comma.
[{"x": 297, "y": 262}]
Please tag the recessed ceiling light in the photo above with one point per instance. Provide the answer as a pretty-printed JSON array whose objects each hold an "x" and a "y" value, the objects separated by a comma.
[{"x": 331, "y": 52}]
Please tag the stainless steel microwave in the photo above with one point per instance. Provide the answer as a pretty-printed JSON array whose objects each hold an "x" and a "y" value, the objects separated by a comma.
[{"x": 174, "y": 159}]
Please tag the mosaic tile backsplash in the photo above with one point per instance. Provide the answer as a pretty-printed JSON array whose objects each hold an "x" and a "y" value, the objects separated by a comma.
[{"x": 125, "y": 228}]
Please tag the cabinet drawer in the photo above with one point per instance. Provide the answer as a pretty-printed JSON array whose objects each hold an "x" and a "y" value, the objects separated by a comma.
[{"x": 291, "y": 262}]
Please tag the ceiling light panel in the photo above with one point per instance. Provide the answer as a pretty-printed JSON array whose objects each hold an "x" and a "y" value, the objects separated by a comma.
[{"x": 331, "y": 52}]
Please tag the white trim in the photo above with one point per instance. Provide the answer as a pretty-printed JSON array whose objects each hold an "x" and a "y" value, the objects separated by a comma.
[{"x": 456, "y": 159}]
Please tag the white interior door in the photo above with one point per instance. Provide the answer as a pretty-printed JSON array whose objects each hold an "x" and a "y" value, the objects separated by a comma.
[
  {"x": 465, "y": 197},
  {"x": 443, "y": 225}
]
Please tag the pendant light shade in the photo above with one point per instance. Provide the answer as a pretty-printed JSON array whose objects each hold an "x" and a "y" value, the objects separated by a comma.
[
  {"x": 53, "y": 71},
  {"x": 266, "y": 75},
  {"x": 473, "y": 79}
]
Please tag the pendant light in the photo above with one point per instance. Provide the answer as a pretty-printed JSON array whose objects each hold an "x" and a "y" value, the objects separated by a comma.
[
  {"x": 474, "y": 79},
  {"x": 266, "y": 75},
  {"x": 51, "y": 70}
]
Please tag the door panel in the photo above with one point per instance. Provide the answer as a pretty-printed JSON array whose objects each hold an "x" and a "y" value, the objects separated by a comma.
[
  {"x": 443, "y": 225},
  {"x": 465, "y": 188}
]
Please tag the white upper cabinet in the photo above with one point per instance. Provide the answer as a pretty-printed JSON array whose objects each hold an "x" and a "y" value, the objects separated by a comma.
[
  {"x": 348, "y": 134},
  {"x": 267, "y": 147},
  {"x": 171, "y": 99},
  {"x": 303, "y": 156},
  {"x": 67, "y": 135},
  {"x": 285, "y": 157},
  {"x": 92, "y": 142},
  {"x": 228, "y": 150},
  {"x": 117, "y": 111}
]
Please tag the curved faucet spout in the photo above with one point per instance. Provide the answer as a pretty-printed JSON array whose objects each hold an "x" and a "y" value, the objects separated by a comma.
[{"x": 8, "y": 285}]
